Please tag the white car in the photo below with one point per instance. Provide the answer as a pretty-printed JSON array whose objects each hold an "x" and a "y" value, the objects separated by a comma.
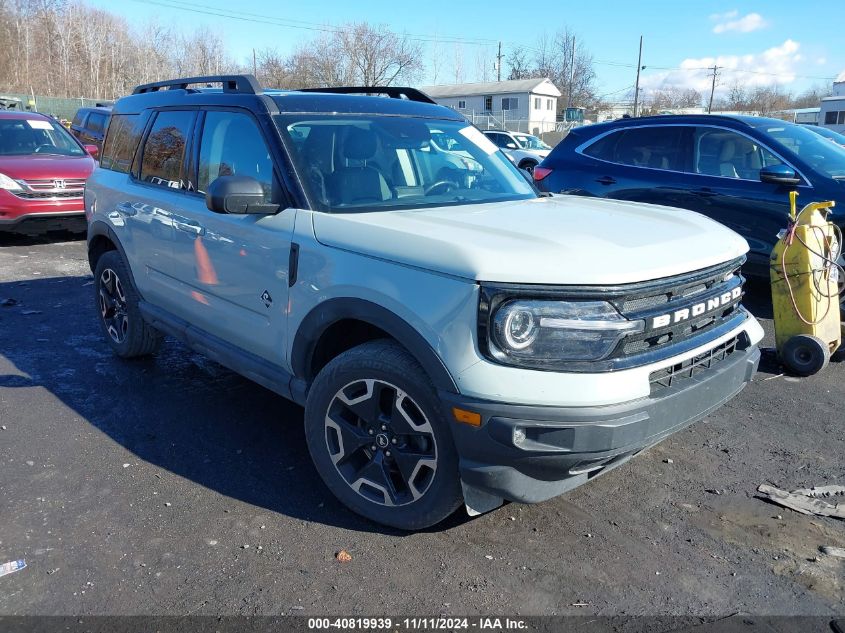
[{"x": 526, "y": 151}]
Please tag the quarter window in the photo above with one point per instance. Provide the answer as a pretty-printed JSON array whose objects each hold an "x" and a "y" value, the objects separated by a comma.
[
  {"x": 653, "y": 147},
  {"x": 164, "y": 150},
  {"x": 122, "y": 138},
  {"x": 233, "y": 144}
]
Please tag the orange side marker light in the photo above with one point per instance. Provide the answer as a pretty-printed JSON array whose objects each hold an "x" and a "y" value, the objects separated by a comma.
[{"x": 467, "y": 417}]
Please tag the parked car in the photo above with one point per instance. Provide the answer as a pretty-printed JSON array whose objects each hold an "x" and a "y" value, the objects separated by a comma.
[
  {"x": 830, "y": 135},
  {"x": 451, "y": 343},
  {"x": 43, "y": 170},
  {"x": 89, "y": 125},
  {"x": 737, "y": 170},
  {"x": 456, "y": 162},
  {"x": 525, "y": 150}
]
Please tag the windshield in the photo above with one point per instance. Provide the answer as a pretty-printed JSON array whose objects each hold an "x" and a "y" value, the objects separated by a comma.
[
  {"x": 826, "y": 157},
  {"x": 527, "y": 141},
  {"x": 355, "y": 163},
  {"x": 22, "y": 137}
]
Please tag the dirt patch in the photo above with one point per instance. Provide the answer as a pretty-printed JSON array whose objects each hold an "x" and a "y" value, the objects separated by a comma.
[{"x": 791, "y": 543}]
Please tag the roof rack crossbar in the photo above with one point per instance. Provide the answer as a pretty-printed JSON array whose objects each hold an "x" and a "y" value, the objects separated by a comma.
[
  {"x": 242, "y": 84},
  {"x": 394, "y": 92}
]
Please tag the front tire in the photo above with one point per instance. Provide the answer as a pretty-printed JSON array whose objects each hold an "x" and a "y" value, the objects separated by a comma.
[
  {"x": 125, "y": 330},
  {"x": 379, "y": 440}
]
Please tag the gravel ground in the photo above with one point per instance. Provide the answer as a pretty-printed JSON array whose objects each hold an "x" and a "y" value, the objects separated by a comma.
[{"x": 173, "y": 486}]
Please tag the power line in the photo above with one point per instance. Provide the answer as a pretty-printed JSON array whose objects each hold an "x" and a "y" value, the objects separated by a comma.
[{"x": 259, "y": 18}]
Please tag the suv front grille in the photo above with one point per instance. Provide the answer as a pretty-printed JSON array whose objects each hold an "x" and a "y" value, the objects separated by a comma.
[
  {"x": 675, "y": 296},
  {"x": 52, "y": 189},
  {"x": 692, "y": 367}
]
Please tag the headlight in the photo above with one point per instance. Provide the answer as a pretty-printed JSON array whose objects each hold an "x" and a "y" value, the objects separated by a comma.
[
  {"x": 541, "y": 333},
  {"x": 8, "y": 184}
]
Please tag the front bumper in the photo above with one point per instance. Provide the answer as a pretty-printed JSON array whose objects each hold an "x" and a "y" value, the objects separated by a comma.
[
  {"x": 44, "y": 221},
  {"x": 566, "y": 446},
  {"x": 38, "y": 215}
]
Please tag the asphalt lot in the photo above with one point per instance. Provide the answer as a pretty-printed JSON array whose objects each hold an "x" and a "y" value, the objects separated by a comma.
[{"x": 173, "y": 486}]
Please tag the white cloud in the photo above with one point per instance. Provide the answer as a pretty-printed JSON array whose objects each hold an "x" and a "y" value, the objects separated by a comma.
[
  {"x": 776, "y": 65},
  {"x": 731, "y": 21},
  {"x": 821, "y": 61}
]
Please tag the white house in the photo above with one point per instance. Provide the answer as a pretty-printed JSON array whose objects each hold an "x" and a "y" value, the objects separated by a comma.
[{"x": 524, "y": 105}]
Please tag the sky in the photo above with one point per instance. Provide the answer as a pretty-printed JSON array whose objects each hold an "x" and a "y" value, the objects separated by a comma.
[{"x": 785, "y": 42}]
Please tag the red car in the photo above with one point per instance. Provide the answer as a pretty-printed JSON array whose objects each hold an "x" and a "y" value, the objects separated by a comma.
[{"x": 43, "y": 170}]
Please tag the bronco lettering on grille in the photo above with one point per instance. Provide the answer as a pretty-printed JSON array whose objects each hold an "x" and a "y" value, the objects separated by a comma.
[{"x": 697, "y": 309}]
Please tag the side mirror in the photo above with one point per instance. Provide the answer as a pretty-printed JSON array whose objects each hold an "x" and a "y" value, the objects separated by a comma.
[
  {"x": 511, "y": 146},
  {"x": 238, "y": 194},
  {"x": 93, "y": 151},
  {"x": 779, "y": 175}
]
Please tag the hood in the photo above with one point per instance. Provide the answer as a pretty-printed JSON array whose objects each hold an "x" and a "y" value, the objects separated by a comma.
[
  {"x": 558, "y": 240},
  {"x": 35, "y": 167}
]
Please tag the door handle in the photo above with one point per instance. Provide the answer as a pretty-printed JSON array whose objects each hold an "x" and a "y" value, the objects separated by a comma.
[
  {"x": 126, "y": 208},
  {"x": 189, "y": 227},
  {"x": 606, "y": 180}
]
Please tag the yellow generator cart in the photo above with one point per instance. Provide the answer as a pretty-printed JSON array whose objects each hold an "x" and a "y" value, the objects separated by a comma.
[{"x": 805, "y": 280}]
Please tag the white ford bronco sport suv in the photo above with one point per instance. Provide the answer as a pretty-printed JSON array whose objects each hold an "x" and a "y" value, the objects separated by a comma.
[{"x": 455, "y": 337}]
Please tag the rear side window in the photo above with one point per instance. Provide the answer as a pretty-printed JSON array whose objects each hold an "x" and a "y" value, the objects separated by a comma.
[
  {"x": 123, "y": 136},
  {"x": 653, "y": 147},
  {"x": 164, "y": 150},
  {"x": 501, "y": 140},
  {"x": 96, "y": 122},
  {"x": 77, "y": 118},
  {"x": 233, "y": 144}
]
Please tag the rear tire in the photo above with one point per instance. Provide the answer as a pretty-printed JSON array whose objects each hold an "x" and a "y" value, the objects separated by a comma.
[
  {"x": 805, "y": 355},
  {"x": 379, "y": 440},
  {"x": 117, "y": 304}
]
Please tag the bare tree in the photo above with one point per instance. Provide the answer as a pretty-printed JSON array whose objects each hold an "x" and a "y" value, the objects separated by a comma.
[
  {"x": 378, "y": 56},
  {"x": 459, "y": 63},
  {"x": 519, "y": 63}
]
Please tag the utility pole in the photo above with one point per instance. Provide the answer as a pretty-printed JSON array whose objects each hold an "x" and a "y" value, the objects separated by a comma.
[
  {"x": 254, "y": 65},
  {"x": 499, "y": 64},
  {"x": 712, "y": 89},
  {"x": 637, "y": 84},
  {"x": 571, "y": 74}
]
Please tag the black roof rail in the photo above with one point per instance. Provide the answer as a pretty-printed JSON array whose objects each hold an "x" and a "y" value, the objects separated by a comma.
[
  {"x": 394, "y": 92},
  {"x": 240, "y": 84}
]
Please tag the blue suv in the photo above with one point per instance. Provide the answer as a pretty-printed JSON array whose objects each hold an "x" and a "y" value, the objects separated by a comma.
[{"x": 737, "y": 170}]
